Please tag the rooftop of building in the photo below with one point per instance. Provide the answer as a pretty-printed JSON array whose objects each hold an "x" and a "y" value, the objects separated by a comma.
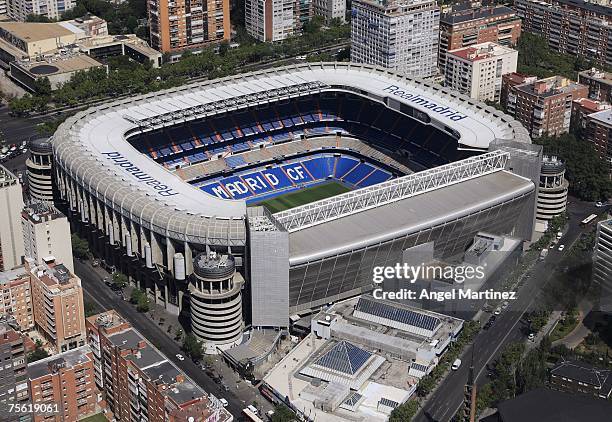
[
  {"x": 481, "y": 51},
  {"x": 597, "y": 74},
  {"x": 604, "y": 117},
  {"x": 32, "y": 32},
  {"x": 6, "y": 177},
  {"x": 58, "y": 65},
  {"x": 12, "y": 275},
  {"x": 591, "y": 7},
  {"x": 52, "y": 273},
  {"x": 465, "y": 12},
  {"x": 107, "y": 320},
  {"x": 548, "y": 405},
  {"x": 591, "y": 106},
  {"x": 201, "y": 410},
  {"x": 9, "y": 333},
  {"x": 38, "y": 212},
  {"x": 549, "y": 87},
  {"x": 581, "y": 371},
  {"x": 51, "y": 364}
]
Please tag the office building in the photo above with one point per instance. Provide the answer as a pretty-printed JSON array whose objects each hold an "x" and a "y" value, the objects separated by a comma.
[
  {"x": 91, "y": 25},
  {"x": 602, "y": 264},
  {"x": 17, "y": 298},
  {"x": 275, "y": 20},
  {"x": 462, "y": 25},
  {"x": 552, "y": 193},
  {"x": 136, "y": 380},
  {"x": 57, "y": 300},
  {"x": 573, "y": 27},
  {"x": 3, "y": 9},
  {"x": 39, "y": 170},
  {"x": 19, "y": 10},
  {"x": 598, "y": 131},
  {"x": 400, "y": 35},
  {"x": 11, "y": 237},
  {"x": 330, "y": 9},
  {"x": 65, "y": 384},
  {"x": 180, "y": 26},
  {"x": 46, "y": 234},
  {"x": 477, "y": 70},
  {"x": 544, "y": 106},
  {"x": 13, "y": 378}
]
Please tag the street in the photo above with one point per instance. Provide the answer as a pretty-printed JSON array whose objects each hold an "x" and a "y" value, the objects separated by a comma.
[
  {"x": 448, "y": 398},
  {"x": 95, "y": 291}
]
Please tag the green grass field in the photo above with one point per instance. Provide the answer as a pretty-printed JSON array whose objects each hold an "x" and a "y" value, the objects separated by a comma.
[{"x": 304, "y": 196}]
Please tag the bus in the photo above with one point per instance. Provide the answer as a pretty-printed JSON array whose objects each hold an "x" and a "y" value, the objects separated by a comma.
[
  {"x": 588, "y": 220},
  {"x": 251, "y": 415}
]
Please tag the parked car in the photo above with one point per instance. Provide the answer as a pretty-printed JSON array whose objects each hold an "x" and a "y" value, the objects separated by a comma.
[
  {"x": 497, "y": 311},
  {"x": 456, "y": 364},
  {"x": 531, "y": 337},
  {"x": 561, "y": 247},
  {"x": 180, "y": 357},
  {"x": 223, "y": 402}
]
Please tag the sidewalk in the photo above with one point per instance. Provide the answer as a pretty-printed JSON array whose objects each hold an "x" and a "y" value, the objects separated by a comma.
[{"x": 575, "y": 337}]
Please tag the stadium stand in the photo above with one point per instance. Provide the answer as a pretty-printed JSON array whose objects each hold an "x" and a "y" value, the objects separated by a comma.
[
  {"x": 279, "y": 179},
  {"x": 221, "y": 136}
]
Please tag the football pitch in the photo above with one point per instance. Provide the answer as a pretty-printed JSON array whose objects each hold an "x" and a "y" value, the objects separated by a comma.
[{"x": 304, "y": 196}]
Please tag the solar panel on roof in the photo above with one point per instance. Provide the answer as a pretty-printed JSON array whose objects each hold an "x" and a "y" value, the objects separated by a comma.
[
  {"x": 389, "y": 403},
  {"x": 353, "y": 399},
  {"x": 405, "y": 316},
  {"x": 344, "y": 357}
]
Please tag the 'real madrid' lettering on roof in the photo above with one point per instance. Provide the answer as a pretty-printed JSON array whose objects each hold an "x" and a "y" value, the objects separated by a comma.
[
  {"x": 425, "y": 103},
  {"x": 119, "y": 160}
]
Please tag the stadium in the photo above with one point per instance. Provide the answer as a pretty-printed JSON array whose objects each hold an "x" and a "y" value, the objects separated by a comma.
[{"x": 305, "y": 176}]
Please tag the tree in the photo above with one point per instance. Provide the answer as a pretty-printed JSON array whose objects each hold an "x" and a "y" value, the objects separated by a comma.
[
  {"x": 89, "y": 309},
  {"x": 404, "y": 412},
  {"x": 42, "y": 86},
  {"x": 120, "y": 280},
  {"x": 135, "y": 296},
  {"x": 80, "y": 247},
  {"x": 283, "y": 414},
  {"x": 193, "y": 347},
  {"x": 38, "y": 353},
  {"x": 143, "y": 304}
]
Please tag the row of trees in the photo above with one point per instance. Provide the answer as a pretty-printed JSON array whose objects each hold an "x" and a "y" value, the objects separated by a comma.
[
  {"x": 125, "y": 77},
  {"x": 586, "y": 172}
]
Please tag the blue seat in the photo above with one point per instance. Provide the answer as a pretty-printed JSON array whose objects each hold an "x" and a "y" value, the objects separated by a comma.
[
  {"x": 378, "y": 176},
  {"x": 343, "y": 166},
  {"x": 358, "y": 173},
  {"x": 297, "y": 173},
  {"x": 276, "y": 178}
]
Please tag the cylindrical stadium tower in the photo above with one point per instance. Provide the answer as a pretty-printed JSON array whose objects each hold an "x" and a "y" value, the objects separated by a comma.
[
  {"x": 39, "y": 171},
  {"x": 552, "y": 194},
  {"x": 216, "y": 301}
]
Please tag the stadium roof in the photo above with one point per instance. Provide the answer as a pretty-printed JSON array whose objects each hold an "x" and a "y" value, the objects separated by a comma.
[
  {"x": 92, "y": 145},
  {"x": 406, "y": 216}
]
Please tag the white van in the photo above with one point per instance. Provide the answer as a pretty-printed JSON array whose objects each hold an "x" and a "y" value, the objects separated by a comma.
[
  {"x": 252, "y": 409},
  {"x": 456, "y": 364}
]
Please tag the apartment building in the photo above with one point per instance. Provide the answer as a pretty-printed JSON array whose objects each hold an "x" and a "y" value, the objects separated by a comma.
[
  {"x": 477, "y": 70},
  {"x": 598, "y": 131},
  {"x": 401, "y": 35},
  {"x": 544, "y": 106},
  {"x": 57, "y": 300},
  {"x": 137, "y": 381},
  {"x": 16, "y": 297},
  {"x": 63, "y": 386},
  {"x": 582, "y": 108},
  {"x": 330, "y": 9},
  {"x": 46, "y": 234},
  {"x": 599, "y": 83},
  {"x": 13, "y": 378},
  {"x": 11, "y": 204},
  {"x": 572, "y": 27},
  {"x": 275, "y": 20},
  {"x": 178, "y": 26},
  {"x": 19, "y": 10},
  {"x": 462, "y": 25},
  {"x": 602, "y": 265}
]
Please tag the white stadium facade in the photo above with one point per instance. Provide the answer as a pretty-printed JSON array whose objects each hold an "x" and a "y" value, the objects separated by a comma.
[{"x": 154, "y": 180}]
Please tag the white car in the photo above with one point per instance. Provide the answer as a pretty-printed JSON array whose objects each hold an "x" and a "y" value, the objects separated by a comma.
[
  {"x": 223, "y": 402},
  {"x": 252, "y": 409},
  {"x": 180, "y": 357},
  {"x": 531, "y": 337},
  {"x": 599, "y": 204},
  {"x": 505, "y": 304},
  {"x": 456, "y": 364},
  {"x": 561, "y": 247},
  {"x": 497, "y": 311}
]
